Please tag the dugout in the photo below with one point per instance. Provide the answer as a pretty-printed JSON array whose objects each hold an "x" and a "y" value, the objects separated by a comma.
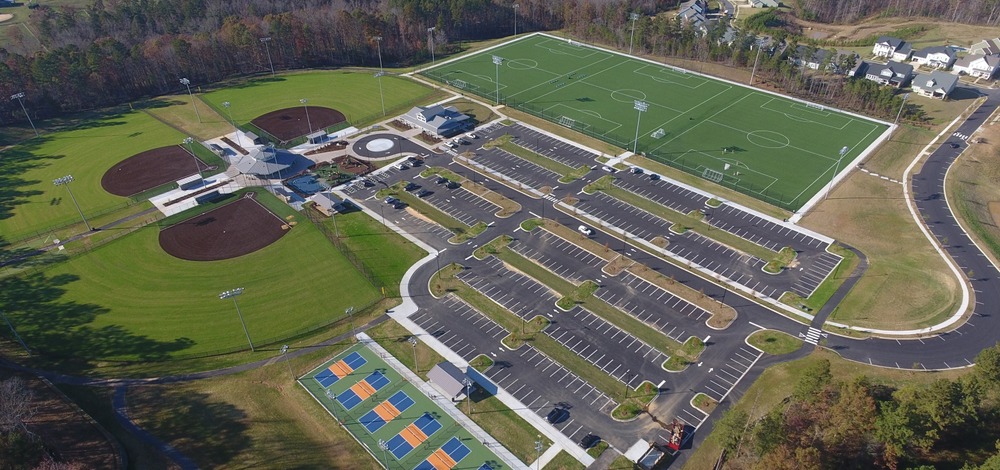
[{"x": 317, "y": 137}]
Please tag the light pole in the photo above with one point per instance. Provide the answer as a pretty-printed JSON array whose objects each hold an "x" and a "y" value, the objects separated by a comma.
[
  {"x": 378, "y": 42},
  {"x": 232, "y": 294},
  {"x": 430, "y": 35},
  {"x": 20, "y": 99},
  {"x": 190, "y": 143},
  {"x": 267, "y": 48},
  {"x": 497, "y": 60},
  {"x": 306, "y": 106},
  {"x": 65, "y": 181},
  {"x": 226, "y": 104},
  {"x": 516, "y": 6},
  {"x": 641, "y": 107},
  {"x": 754, "y": 72},
  {"x": 416, "y": 365},
  {"x": 350, "y": 315},
  {"x": 333, "y": 406},
  {"x": 901, "y": 105},
  {"x": 378, "y": 76},
  {"x": 633, "y": 17},
  {"x": 187, "y": 83},
  {"x": 843, "y": 152},
  {"x": 385, "y": 459},
  {"x": 538, "y": 450},
  {"x": 468, "y": 393},
  {"x": 284, "y": 352}
]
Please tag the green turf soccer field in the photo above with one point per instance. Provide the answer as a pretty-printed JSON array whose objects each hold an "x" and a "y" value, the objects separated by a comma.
[
  {"x": 375, "y": 403},
  {"x": 773, "y": 148}
]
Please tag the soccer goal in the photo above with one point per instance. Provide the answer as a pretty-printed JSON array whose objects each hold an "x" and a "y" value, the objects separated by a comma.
[
  {"x": 714, "y": 176},
  {"x": 460, "y": 84},
  {"x": 658, "y": 133},
  {"x": 816, "y": 106},
  {"x": 567, "y": 121}
]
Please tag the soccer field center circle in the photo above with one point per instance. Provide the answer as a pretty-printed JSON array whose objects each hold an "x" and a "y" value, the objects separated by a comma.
[
  {"x": 768, "y": 139},
  {"x": 379, "y": 145},
  {"x": 522, "y": 64},
  {"x": 628, "y": 95}
]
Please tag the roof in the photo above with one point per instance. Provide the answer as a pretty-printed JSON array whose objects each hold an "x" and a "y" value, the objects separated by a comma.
[
  {"x": 258, "y": 162},
  {"x": 896, "y": 68},
  {"x": 693, "y": 11},
  {"x": 817, "y": 57},
  {"x": 890, "y": 41},
  {"x": 986, "y": 46},
  {"x": 448, "y": 378},
  {"x": 437, "y": 118},
  {"x": 934, "y": 50},
  {"x": 766, "y": 3},
  {"x": 991, "y": 60},
  {"x": 936, "y": 80},
  {"x": 327, "y": 200}
]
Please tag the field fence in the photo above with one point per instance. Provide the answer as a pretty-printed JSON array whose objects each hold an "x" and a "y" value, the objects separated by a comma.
[
  {"x": 317, "y": 219},
  {"x": 53, "y": 229}
]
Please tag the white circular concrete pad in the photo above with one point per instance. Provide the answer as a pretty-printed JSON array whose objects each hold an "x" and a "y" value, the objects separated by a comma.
[{"x": 379, "y": 145}]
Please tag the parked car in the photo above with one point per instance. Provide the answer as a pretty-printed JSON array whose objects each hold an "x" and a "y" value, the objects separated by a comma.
[
  {"x": 473, "y": 136},
  {"x": 390, "y": 201},
  {"x": 452, "y": 185},
  {"x": 441, "y": 180},
  {"x": 635, "y": 170},
  {"x": 588, "y": 441},
  {"x": 585, "y": 230},
  {"x": 401, "y": 166},
  {"x": 654, "y": 176},
  {"x": 450, "y": 145},
  {"x": 608, "y": 169},
  {"x": 410, "y": 187},
  {"x": 557, "y": 415},
  {"x": 953, "y": 145},
  {"x": 422, "y": 193}
]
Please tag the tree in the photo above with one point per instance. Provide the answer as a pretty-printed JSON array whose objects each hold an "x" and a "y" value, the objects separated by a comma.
[
  {"x": 15, "y": 404},
  {"x": 814, "y": 378},
  {"x": 731, "y": 428}
]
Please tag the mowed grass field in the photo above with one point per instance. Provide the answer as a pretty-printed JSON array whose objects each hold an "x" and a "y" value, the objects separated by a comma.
[
  {"x": 30, "y": 203},
  {"x": 130, "y": 300},
  {"x": 773, "y": 148},
  {"x": 355, "y": 94}
]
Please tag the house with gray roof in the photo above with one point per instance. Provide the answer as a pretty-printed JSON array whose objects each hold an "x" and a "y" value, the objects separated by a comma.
[
  {"x": 978, "y": 65},
  {"x": 892, "y": 48},
  {"x": 831, "y": 60},
  {"x": 695, "y": 13},
  {"x": 937, "y": 84},
  {"x": 439, "y": 120},
  {"x": 939, "y": 57},
  {"x": 763, "y": 3},
  {"x": 449, "y": 380},
  {"x": 986, "y": 47},
  {"x": 892, "y": 73}
]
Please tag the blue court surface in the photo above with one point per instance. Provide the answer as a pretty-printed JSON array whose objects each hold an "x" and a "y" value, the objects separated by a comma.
[
  {"x": 454, "y": 448},
  {"x": 362, "y": 390},
  {"x": 373, "y": 420},
  {"x": 405, "y": 441},
  {"x": 328, "y": 377}
]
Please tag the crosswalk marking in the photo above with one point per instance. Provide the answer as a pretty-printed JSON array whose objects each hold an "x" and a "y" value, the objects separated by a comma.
[{"x": 812, "y": 335}]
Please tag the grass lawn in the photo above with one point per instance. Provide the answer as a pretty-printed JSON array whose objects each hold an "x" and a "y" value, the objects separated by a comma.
[
  {"x": 564, "y": 461},
  {"x": 785, "y": 150},
  {"x": 355, "y": 94},
  {"x": 177, "y": 111},
  {"x": 395, "y": 339},
  {"x": 30, "y": 203},
  {"x": 387, "y": 254},
  {"x": 480, "y": 113},
  {"x": 130, "y": 300},
  {"x": 774, "y": 342},
  {"x": 504, "y": 425}
]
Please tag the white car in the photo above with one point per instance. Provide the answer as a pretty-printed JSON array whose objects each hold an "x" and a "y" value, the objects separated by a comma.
[{"x": 585, "y": 230}]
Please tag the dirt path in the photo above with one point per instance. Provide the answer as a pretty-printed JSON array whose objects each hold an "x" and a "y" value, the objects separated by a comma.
[{"x": 5, "y": 17}]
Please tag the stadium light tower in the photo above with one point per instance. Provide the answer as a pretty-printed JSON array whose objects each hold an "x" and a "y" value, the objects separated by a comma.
[
  {"x": 232, "y": 294},
  {"x": 190, "y": 143},
  {"x": 65, "y": 181},
  {"x": 382, "y": 445},
  {"x": 350, "y": 314},
  {"x": 497, "y": 60},
  {"x": 633, "y": 17},
  {"x": 378, "y": 75},
  {"x": 641, "y": 107},
  {"x": 378, "y": 42},
  {"x": 843, "y": 152},
  {"x": 305, "y": 104},
  {"x": 267, "y": 48},
  {"x": 20, "y": 99},
  {"x": 901, "y": 105},
  {"x": 416, "y": 365},
  {"x": 187, "y": 83},
  {"x": 226, "y": 104},
  {"x": 332, "y": 396},
  {"x": 430, "y": 35},
  {"x": 538, "y": 451},
  {"x": 468, "y": 393},
  {"x": 516, "y": 7}
]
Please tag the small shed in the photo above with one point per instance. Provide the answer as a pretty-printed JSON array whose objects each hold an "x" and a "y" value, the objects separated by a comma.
[
  {"x": 449, "y": 380},
  {"x": 328, "y": 203},
  {"x": 317, "y": 137}
]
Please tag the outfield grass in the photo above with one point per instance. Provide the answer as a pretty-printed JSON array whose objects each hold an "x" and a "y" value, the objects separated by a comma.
[
  {"x": 130, "y": 300},
  {"x": 30, "y": 203},
  {"x": 784, "y": 150},
  {"x": 353, "y": 93}
]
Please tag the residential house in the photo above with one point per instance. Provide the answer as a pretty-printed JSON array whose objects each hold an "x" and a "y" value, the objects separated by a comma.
[
  {"x": 695, "y": 13},
  {"x": 937, "y": 84},
  {"x": 986, "y": 47},
  {"x": 892, "y": 73},
  {"x": 439, "y": 120},
  {"x": 939, "y": 57},
  {"x": 892, "y": 48},
  {"x": 819, "y": 57},
  {"x": 977, "y": 65},
  {"x": 763, "y": 3}
]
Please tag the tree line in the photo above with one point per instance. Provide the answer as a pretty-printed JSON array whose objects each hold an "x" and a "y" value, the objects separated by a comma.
[{"x": 860, "y": 423}]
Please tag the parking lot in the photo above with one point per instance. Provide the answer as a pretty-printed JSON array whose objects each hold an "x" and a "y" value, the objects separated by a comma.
[
  {"x": 551, "y": 147},
  {"x": 459, "y": 203},
  {"x": 815, "y": 272},
  {"x": 462, "y": 328},
  {"x": 517, "y": 168},
  {"x": 563, "y": 258},
  {"x": 673, "y": 316}
]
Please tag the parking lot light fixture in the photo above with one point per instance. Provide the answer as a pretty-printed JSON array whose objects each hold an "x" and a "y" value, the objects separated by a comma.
[
  {"x": 516, "y": 6},
  {"x": 305, "y": 104},
  {"x": 641, "y": 107},
  {"x": 416, "y": 365},
  {"x": 378, "y": 42},
  {"x": 430, "y": 35},
  {"x": 836, "y": 169},
  {"x": 65, "y": 181},
  {"x": 538, "y": 450},
  {"x": 468, "y": 393},
  {"x": 190, "y": 143},
  {"x": 233, "y": 294},
  {"x": 385, "y": 459},
  {"x": 187, "y": 83},
  {"x": 350, "y": 315},
  {"x": 633, "y": 17},
  {"x": 20, "y": 99}
]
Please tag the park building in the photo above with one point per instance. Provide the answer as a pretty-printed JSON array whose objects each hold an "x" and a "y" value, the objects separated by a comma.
[{"x": 439, "y": 120}]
